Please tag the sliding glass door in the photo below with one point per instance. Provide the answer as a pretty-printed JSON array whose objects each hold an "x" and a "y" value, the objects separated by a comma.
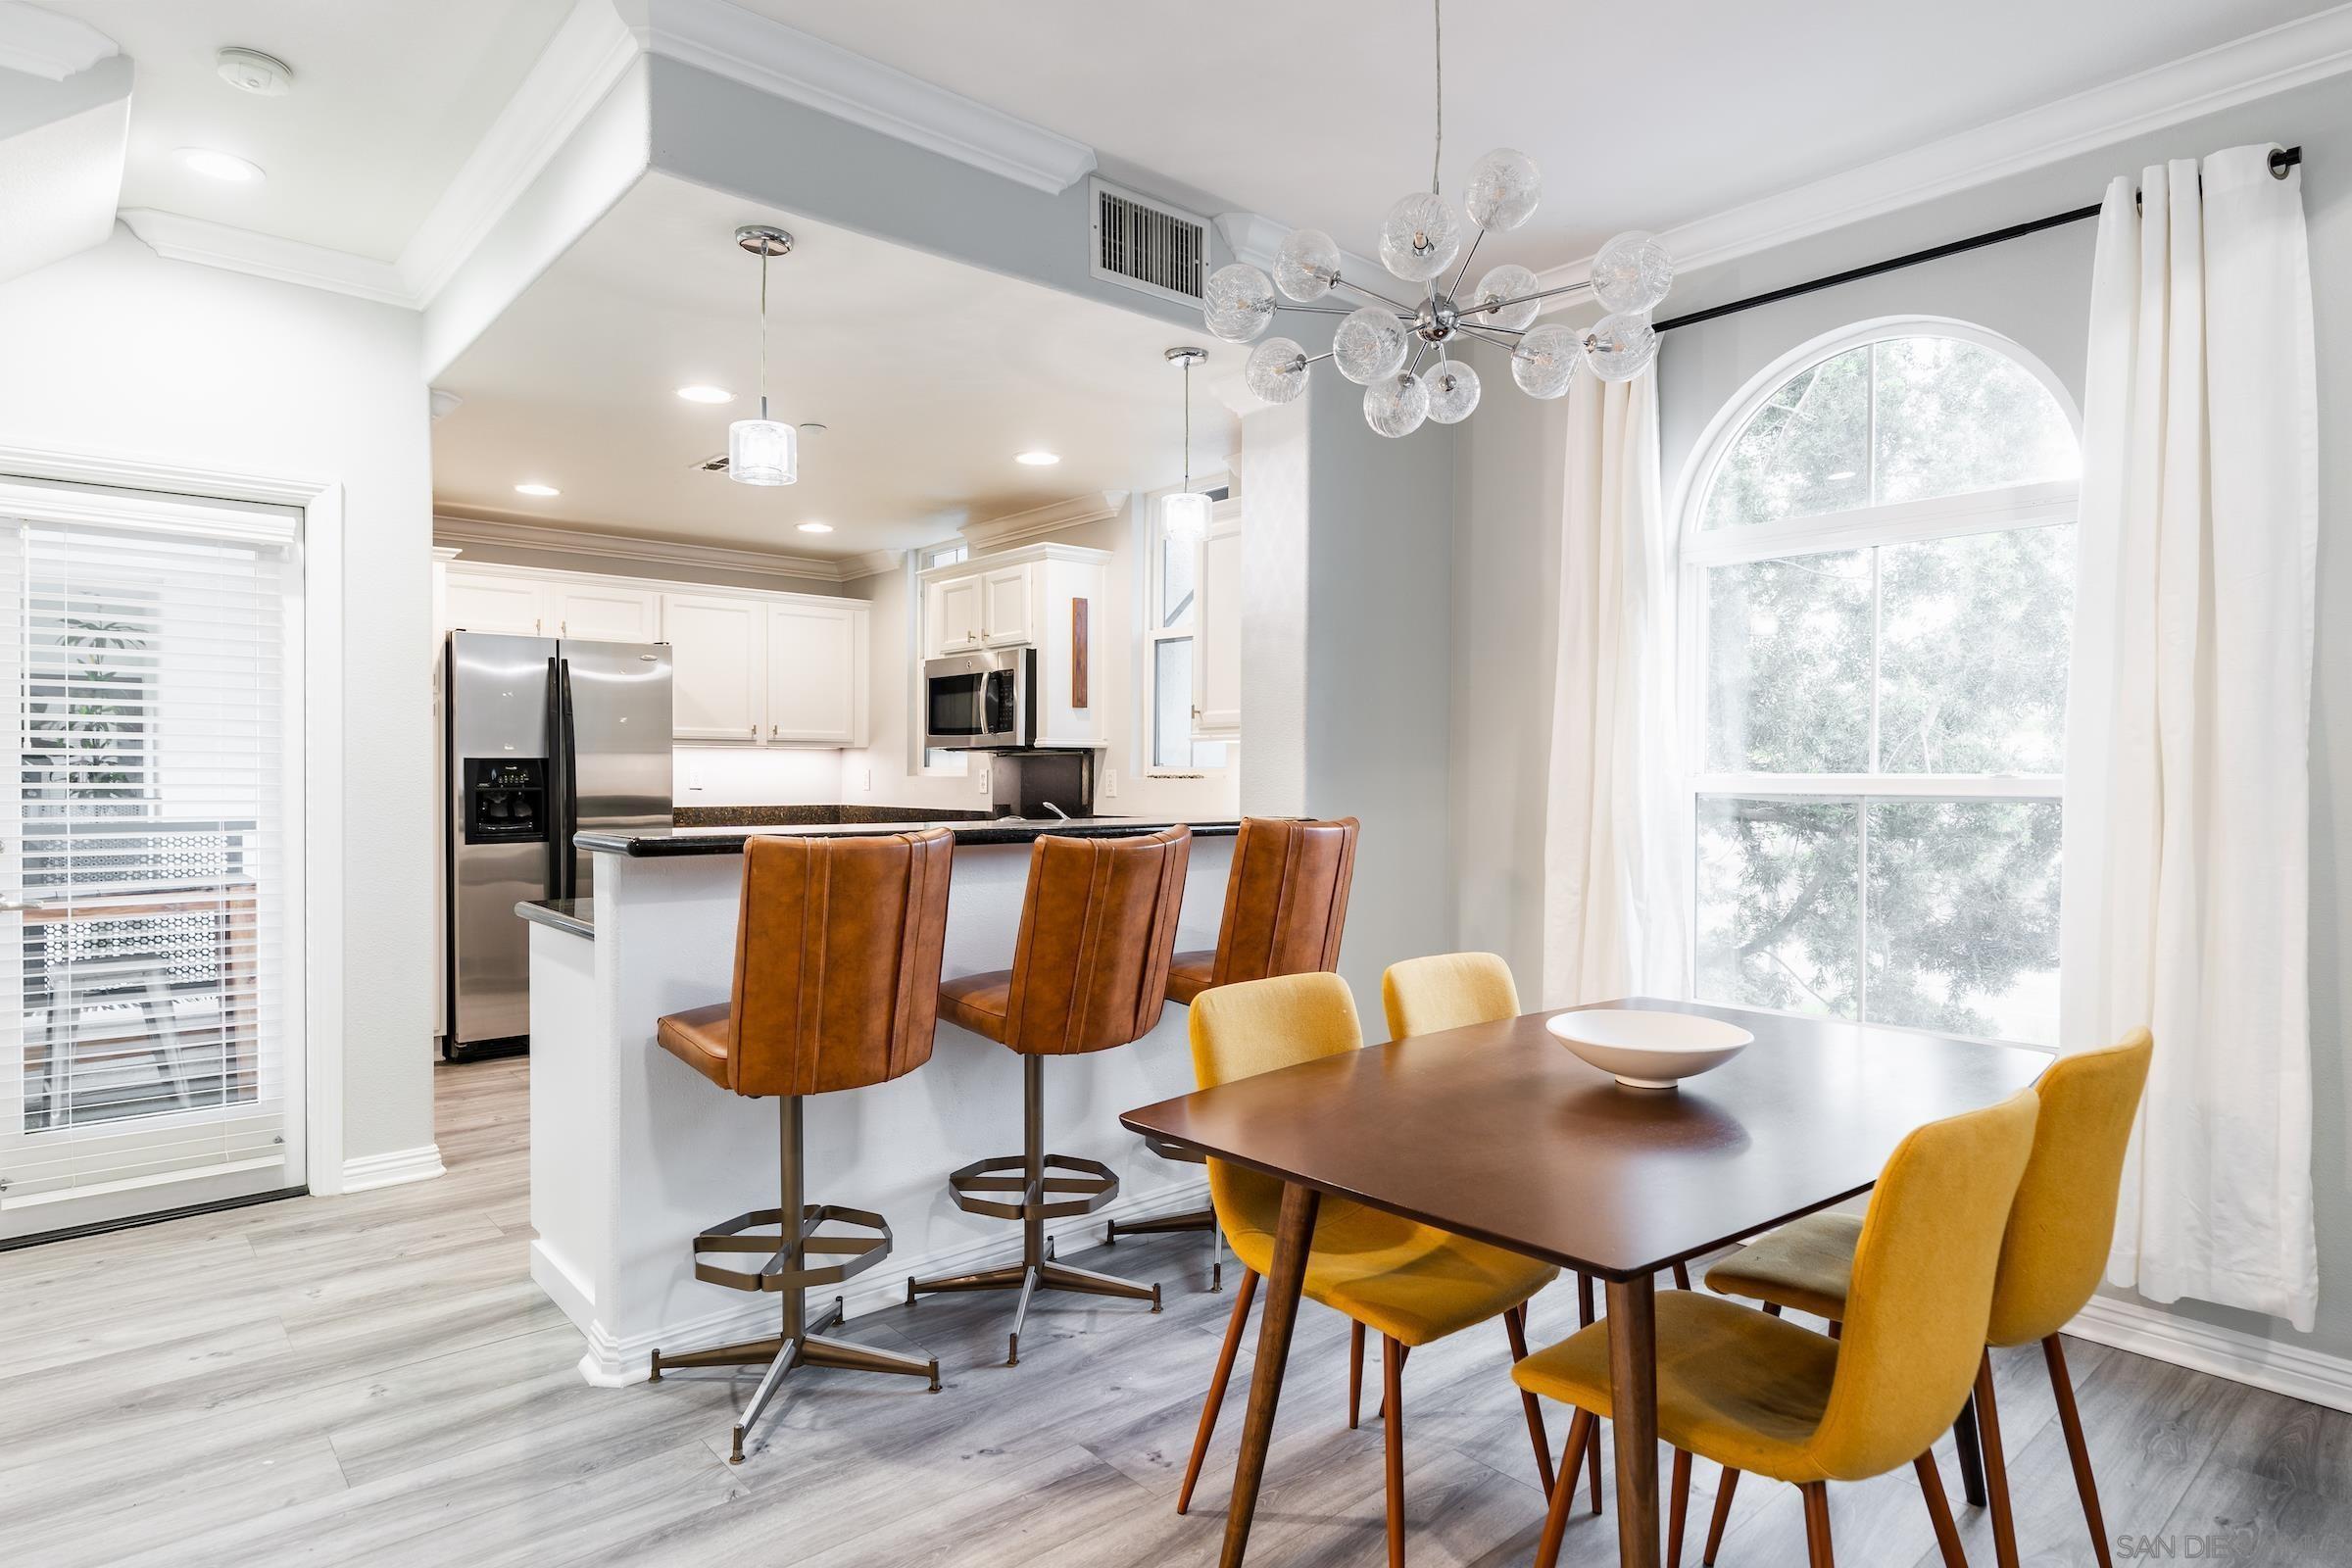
[{"x": 149, "y": 920}]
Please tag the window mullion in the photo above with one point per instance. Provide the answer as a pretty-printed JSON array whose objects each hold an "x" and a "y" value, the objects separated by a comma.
[{"x": 1862, "y": 910}]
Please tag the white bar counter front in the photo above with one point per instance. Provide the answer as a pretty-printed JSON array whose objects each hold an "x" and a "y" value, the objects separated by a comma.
[{"x": 633, "y": 1153}]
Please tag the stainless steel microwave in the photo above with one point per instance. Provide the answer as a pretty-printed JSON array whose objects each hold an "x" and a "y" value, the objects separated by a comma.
[{"x": 981, "y": 701}]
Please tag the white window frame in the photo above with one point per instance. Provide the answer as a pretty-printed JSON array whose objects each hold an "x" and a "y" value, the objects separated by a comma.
[
  {"x": 942, "y": 553},
  {"x": 2037, "y": 505},
  {"x": 1153, "y": 531}
]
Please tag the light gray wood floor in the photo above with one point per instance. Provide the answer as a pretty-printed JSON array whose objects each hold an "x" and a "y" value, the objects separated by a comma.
[{"x": 374, "y": 1378}]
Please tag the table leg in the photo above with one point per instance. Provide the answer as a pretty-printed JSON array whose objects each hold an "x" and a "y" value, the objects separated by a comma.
[
  {"x": 1634, "y": 1417},
  {"x": 1294, "y": 1232}
]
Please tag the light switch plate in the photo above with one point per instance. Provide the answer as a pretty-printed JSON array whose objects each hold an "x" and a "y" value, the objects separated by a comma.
[{"x": 1110, "y": 783}]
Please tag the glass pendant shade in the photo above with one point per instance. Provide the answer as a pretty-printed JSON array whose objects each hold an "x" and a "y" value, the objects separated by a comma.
[
  {"x": 1632, "y": 274},
  {"x": 1506, "y": 282},
  {"x": 1240, "y": 302},
  {"x": 763, "y": 452},
  {"x": 1453, "y": 392},
  {"x": 1184, "y": 516},
  {"x": 1546, "y": 361},
  {"x": 1306, "y": 266},
  {"x": 1277, "y": 369},
  {"x": 1621, "y": 347},
  {"x": 1420, "y": 238},
  {"x": 1395, "y": 405},
  {"x": 1503, "y": 190},
  {"x": 1369, "y": 344}
]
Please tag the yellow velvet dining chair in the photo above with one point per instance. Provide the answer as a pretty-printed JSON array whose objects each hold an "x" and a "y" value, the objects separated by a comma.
[
  {"x": 1412, "y": 1283},
  {"x": 1754, "y": 1391},
  {"x": 2051, "y": 1258}
]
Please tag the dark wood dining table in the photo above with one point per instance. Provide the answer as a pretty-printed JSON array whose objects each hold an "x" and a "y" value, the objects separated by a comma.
[{"x": 1498, "y": 1133}]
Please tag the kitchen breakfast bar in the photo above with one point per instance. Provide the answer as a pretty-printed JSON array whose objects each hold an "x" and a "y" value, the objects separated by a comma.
[{"x": 633, "y": 1153}]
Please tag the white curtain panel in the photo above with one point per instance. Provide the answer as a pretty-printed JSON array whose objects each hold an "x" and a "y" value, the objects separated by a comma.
[
  {"x": 1613, "y": 891},
  {"x": 2187, "y": 821}
]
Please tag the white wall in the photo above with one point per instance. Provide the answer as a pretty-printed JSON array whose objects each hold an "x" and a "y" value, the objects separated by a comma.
[
  {"x": 114, "y": 351},
  {"x": 755, "y": 775}
]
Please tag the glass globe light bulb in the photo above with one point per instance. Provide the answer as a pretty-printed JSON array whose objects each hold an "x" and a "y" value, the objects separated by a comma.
[
  {"x": 1184, "y": 516},
  {"x": 1369, "y": 344},
  {"x": 1632, "y": 274},
  {"x": 1420, "y": 238},
  {"x": 1395, "y": 405},
  {"x": 763, "y": 452},
  {"x": 1452, "y": 391},
  {"x": 1506, "y": 282},
  {"x": 1277, "y": 369},
  {"x": 1238, "y": 303},
  {"x": 1546, "y": 361},
  {"x": 1621, "y": 347},
  {"x": 1502, "y": 190},
  {"x": 1307, "y": 265}
]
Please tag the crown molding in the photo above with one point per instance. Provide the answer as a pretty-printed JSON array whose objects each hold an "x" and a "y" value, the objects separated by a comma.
[
  {"x": 758, "y": 51},
  {"x": 181, "y": 238},
  {"x": 873, "y": 564},
  {"x": 451, "y": 529},
  {"x": 2276, "y": 60},
  {"x": 46, "y": 44},
  {"x": 1019, "y": 528}
]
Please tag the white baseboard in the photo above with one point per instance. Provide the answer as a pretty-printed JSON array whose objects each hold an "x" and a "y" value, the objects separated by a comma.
[
  {"x": 611, "y": 1362},
  {"x": 419, "y": 1164},
  {"x": 2150, "y": 1331}
]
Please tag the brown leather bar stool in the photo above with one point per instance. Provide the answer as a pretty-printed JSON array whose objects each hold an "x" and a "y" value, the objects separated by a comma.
[
  {"x": 837, "y": 954},
  {"x": 1090, "y": 972},
  {"x": 1285, "y": 900}
]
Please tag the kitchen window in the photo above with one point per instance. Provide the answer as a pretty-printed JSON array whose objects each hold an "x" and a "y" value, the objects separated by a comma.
[
  {"x": 1171, "y": 643},
  {"x": 1878, "y": 568}
]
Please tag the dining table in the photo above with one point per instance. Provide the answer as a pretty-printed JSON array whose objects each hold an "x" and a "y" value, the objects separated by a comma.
[{"x": 1498, "y": 1132}]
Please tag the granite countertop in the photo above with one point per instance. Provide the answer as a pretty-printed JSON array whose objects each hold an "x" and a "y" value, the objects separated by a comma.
[
  {"x": 575, "y": 915},
  {"x": 967, "y": 830}
]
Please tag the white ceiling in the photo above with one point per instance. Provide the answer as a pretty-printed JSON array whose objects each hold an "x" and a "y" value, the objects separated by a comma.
[
  {"x": 928, "y": 373},
  {"x": 1317, "y": 112},
  {"x": 388, "y": 101}
]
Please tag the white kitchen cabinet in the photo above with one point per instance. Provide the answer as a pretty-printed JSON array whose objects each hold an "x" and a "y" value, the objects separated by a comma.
[
  {"x": 953, "y": 616},
  {"x": 1007, "y": 610},
  {"x": 718, "y": 672},
  {"x": 1217, "y": 623},
  {"x": 816, "y": 673},
  {"x": 495, "y": 602},
  {"x": 596, "y": 613}
]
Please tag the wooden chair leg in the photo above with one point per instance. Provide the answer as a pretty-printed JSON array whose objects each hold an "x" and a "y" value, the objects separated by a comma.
[
  {"x": 1817, "y": 1526},
  {"x": 1678, "y": 1507},
  {"x": 1584, "y": 1319},
  {"x": 1939, "y": 1511},
  {"x": 1392, "y": 1388},
  {"x": 1837, "y": 1329},
  {"x": 1216, "y": 1386},
  {"x": 1563, "y": 1493},
  {"x": 1355, "y": 1372},
  {"x": 1682, "y": 1276},
  {"x": 1514, "y": 1324},
  {"x": 2070, "y": 1420},
  {"x": 1996, "y": 1467},
  {"x": 1381, "y": 1411},
  {"x": 1972, "y": 1453},
  {"x": 1723, "y": 1516}
]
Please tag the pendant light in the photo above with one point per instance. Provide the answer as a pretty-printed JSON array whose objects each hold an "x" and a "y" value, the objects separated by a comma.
[
  {"x": 763, "y": 451},
  {"x": 1184, "y": 514}
]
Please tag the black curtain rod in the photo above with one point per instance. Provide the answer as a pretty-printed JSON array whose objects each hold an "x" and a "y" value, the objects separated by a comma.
[{"x": 2281, "y": 163}]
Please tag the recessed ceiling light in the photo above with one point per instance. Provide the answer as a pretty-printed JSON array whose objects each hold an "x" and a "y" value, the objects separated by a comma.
[
  {"x": 218, "y": 165},
  {"x": 816, "y": 528},
  {"x": 537, "y": 490},
  {"x": 706, "y": 394},
  {"x": 1038, "y": 459}
]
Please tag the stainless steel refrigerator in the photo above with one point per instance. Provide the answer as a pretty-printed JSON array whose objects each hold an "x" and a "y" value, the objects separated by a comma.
[{"x": 544, "y": 737}]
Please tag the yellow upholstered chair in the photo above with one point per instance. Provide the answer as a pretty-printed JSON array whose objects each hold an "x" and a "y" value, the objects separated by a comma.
[
  {"x": 1753, "y": 1392},
  {"x": 2051, "y": 1258},
  {"x": 1411, "y": 1283},
  {"x": 1446, "y": 991}
]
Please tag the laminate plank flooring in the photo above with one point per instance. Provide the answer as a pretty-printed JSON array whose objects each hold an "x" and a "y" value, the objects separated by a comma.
[{"x": 373, "y": 1382}]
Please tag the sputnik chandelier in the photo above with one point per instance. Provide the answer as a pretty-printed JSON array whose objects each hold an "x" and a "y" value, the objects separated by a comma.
[{"x": 1421, "y": 238}]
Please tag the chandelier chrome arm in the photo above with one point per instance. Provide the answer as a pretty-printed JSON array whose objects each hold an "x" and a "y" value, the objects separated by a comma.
[
  {"x": 1453, "y": 290},
  {"x": 1315, "y": 310},
  {"x": 1398, "y": 306},
  {"x": 1540, "y": 294},
  {"x": 1486, "y": 334}
]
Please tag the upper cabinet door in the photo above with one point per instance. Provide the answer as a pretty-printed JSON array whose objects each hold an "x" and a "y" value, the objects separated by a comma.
[
  {"x": 955, "y": 615},
  {"x": 815, "y": 674},
  {"x": 1005, "y": 613},
  {"x": 717, "y": 669},
  {"x": 603, "y": 615},
  {"x": 1217, "y": 622},
  {"x": 495, "y": 603}
]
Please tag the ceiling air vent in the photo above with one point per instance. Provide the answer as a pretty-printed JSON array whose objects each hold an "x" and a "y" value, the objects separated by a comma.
[
  {"x": 714, "y": 463},
  {"x": 1147, "y": 245}
]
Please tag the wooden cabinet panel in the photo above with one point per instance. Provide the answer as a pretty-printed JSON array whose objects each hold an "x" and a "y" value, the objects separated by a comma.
[
  {"x": 603, "y": 615},
  {"x": 717, "y": 666},
  {"x": 1006, "y": 597},
  {"x": 495, "y": 603},
  {"x": 953, "y": 616},
  {"x": 815, "y": 673}
]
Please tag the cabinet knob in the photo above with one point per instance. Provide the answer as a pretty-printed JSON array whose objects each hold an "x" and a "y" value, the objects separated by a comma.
[{"x": 771, "y": 732}]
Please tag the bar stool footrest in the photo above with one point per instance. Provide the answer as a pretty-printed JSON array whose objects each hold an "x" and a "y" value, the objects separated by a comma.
[
  {"x": 858, "y": 1252},
  {"x": 1086, "y": 1185},
  {"x": 1185, "y": 1154}
]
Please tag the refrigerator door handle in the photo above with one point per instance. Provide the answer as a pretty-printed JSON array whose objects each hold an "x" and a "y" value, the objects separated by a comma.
[
  {"x": 557, "y": 756},
  {"x": 567, "y": 739}
]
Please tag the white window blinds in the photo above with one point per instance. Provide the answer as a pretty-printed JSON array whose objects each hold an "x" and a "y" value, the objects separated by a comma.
[{"x": 147, "y": 864}]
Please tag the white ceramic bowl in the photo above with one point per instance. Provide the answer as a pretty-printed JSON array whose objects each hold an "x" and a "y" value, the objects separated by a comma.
[{"x": 1646, "y": 1049}]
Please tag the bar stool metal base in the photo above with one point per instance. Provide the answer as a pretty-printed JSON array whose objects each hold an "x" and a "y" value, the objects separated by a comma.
[
  {"x": 1197, "y": 1219},
  {"x": 784, "y": 1356}
]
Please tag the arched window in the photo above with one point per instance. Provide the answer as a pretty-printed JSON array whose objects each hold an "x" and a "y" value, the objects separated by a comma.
[{"x": 1878, "y": 563}]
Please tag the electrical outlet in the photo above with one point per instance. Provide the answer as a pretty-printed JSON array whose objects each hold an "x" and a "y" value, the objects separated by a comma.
[
  {"x": 693, "y": 778},
  {"x": 868, "y": 786},
  {"x": 1110, "y": 783},
  {"x": 980, "y": 778}
]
